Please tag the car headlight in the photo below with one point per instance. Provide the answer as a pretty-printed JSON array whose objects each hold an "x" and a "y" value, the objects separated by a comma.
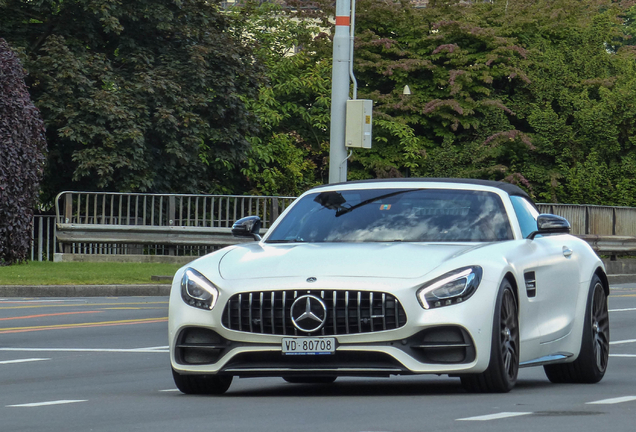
[
  {"x": 197, "y": 291},
  {"x": 452, "y": 288}
]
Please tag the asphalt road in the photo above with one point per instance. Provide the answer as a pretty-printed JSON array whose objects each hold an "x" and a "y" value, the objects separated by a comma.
[{"x": 101, "y": 364}]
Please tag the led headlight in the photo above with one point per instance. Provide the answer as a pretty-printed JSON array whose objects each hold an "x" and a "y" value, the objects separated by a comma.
[
  {"x": 452, "y": 288},
  {"x": 197, "y": 291}
]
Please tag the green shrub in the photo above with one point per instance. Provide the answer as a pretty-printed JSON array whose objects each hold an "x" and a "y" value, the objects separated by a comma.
[{"x": 22, "y": 145}]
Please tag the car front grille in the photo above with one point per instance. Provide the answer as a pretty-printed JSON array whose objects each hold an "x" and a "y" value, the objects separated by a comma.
[{"x": 348, "y": 312}]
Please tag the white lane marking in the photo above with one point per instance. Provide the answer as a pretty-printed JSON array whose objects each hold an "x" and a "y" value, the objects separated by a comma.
[
  {"x": 626, "y": 341},
  {"x": 170, "y": 390},
  {"x": 623, "y": 355},
  {"x": 613, "y": 400},
  {"x": 23, "y": 360},
  {"x": 156, "y": 348},
  {"x": 623, "y": 310},
  {"x": 497, "y": 416},
  {"x": 39, "y": 404},
  {"x": 108, "y": 350}
]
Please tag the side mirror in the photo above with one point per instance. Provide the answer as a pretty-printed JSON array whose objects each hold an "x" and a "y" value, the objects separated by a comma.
[
  {"x": 550, "y": 224},
  {"x": 249, "y": 226}
]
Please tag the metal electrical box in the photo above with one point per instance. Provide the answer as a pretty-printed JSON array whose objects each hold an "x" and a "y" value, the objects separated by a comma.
[{"x": 359, "y": 121}]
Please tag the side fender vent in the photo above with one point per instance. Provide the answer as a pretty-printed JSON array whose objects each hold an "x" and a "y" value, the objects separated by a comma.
[{"x": 531, "y": 284}]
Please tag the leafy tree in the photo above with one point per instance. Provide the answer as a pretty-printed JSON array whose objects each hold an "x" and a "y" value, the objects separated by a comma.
[
  {"x": 533, "y": 92},
  {"x": 137, "y": 96},
  {"x": 456, "y": 121},
  {"x": 293, "y": 106},
  {"x": 22, "y": 145},
  {"x": 579, "y": 106}
]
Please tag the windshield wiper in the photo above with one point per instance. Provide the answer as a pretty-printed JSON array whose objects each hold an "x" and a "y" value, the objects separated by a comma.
[
  {"x": 345, "y": 210},
  {"x": 286, "y": 241}
]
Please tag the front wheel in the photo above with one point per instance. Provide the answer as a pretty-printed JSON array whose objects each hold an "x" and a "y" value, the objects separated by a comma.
[
  {"x": 591, "y": 364},
  {"x": 501, "y": 374},
  {"x": 202, "y": 384}
]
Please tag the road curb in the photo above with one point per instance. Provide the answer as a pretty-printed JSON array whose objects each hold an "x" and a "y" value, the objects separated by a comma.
[
  {"x": 84, "y": 290},
  {"x": 145, "y": 290}
]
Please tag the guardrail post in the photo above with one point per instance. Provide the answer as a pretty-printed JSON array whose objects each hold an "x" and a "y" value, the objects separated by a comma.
[
  {"x": 274, "y": 211},
  {"x": 613, "y": 257},
  {"x": 32, "y": 236},
  {"x": 68, "y": 216},
  {"x": 172, "y": 214},
  {"x": 40, "y": 238}
]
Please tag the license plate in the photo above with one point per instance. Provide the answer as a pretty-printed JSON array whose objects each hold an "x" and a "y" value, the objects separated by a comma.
[{"x": 309, "y": 346}]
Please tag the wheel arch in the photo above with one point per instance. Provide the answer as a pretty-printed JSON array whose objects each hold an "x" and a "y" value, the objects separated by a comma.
[
  {"x": 515, "y": 287},
  {"x": 604, "y": 280}
]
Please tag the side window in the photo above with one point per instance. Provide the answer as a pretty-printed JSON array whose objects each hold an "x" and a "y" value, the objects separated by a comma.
[{"x": 526, "y": 214}]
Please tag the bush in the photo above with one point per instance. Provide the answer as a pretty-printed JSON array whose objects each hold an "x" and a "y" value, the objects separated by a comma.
[{"x": 22, "y": 145}]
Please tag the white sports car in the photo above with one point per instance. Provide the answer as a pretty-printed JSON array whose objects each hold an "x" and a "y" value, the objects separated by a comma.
[{"x": 382, "y": 277}]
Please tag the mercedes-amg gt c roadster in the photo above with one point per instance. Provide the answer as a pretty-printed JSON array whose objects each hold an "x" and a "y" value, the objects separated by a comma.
[{"x": 379, "y": 278}]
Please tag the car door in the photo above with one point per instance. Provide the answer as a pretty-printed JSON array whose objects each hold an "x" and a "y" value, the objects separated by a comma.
[
  {"x": 557, "y": 278},
  {"x": 547, "y": 281},
  {"x": 549, "y": 266}
]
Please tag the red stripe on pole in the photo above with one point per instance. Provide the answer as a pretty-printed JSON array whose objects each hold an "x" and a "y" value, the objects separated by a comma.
[{"x": 343, "y": 21}]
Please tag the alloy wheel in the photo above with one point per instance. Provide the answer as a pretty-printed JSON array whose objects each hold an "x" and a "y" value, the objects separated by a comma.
[
  {"x": 600, "y": 328},
  {"x": 509, "y": 335}
]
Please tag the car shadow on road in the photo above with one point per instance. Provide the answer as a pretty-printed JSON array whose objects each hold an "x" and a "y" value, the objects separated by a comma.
[{"x": 370, "y": 387}]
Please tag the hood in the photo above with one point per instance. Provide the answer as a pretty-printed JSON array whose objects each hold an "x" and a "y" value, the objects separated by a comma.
[{"x": 381, "y": 260}]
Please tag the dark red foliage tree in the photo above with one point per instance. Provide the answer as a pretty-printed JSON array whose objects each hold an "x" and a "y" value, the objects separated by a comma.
[{"x": 22, "y": 147}]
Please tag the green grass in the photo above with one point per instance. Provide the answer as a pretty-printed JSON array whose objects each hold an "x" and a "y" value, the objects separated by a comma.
[{"x": 84, "y": 273}]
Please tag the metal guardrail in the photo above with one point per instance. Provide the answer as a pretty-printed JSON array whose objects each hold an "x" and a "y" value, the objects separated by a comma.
[
  {"x": 155, "y": 224},
  {"x": 172, "y": 224},
  {"x": 113, "y": 208},
  {"x": 595, "y": 220},
  {"x": 609, "y": 230},
  {"x": 611, "y": 245},
  {"x": 136, "y": 234},
  {"x": 43, "y": 238}
]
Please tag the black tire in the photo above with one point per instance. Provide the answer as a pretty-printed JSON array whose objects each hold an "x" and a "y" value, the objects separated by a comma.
[
  {"x": 310, "y": 379},
  {"x": 591, "y": 364},
  {"x": 501, "y": 374},
  {"x": 202, "y": 384}
]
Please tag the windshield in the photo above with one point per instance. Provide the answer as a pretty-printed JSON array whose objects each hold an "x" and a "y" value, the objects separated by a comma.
[{"x": 381, "y": 215}]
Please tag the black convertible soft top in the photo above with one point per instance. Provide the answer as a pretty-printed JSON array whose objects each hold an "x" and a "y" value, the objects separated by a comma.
[{"x": 509, "y": 188}]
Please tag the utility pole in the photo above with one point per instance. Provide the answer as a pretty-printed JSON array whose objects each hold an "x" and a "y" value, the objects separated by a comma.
[{"x": 339, "y": 92}]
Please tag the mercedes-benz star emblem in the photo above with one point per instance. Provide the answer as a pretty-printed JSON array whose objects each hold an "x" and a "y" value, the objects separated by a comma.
[{"x": 308, "y": 313}]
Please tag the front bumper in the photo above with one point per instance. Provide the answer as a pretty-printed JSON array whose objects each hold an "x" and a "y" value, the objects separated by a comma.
[
  {"x": 448, "y": 340},
  {"x": 436, "y": 349}
]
